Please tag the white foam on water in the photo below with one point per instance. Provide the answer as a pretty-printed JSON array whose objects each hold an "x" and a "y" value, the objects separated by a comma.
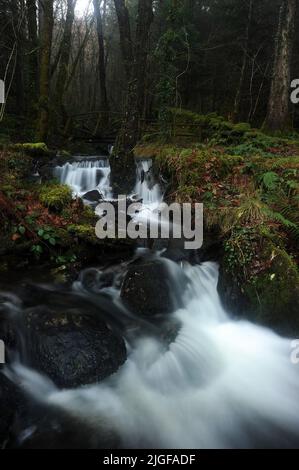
[
  {"x": 86, "y": 175},
  {"x": 221, "y": 384}
]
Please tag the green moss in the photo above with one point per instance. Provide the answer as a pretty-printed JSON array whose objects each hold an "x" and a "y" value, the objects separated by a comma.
[
  {"x": 64, "y": 154},
  {"x": 83, "y": 232},
  {"x": 242, "y": 127},
  {"x": 181, "y": 125},
  {"x": 56, "y": 197},
  {"x": 32, "y": 149}
]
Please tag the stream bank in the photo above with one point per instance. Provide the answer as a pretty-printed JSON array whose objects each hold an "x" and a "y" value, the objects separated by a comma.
[{"x": 249, "y": 184}]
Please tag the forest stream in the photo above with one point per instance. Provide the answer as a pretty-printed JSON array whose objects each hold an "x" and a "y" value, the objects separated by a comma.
[{"x": 192, "y": 376}]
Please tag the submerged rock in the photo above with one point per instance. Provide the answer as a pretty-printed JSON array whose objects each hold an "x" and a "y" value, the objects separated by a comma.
[
  {"x": 72, "y": 348},
  {"x": 148, "y": 289}
]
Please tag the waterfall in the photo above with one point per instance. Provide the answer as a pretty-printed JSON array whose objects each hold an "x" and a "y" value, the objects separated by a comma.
[
  {"x": 89, "y": 174},
  {"x": 222, "y": 383},
  {"x": 149, "y": 191},
  {"x": 147, "y": 188},
  {"x": 86, "y": 175}
]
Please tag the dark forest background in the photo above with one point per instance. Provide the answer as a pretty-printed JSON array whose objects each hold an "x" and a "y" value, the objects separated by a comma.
[{"x": 203, "y": 55}]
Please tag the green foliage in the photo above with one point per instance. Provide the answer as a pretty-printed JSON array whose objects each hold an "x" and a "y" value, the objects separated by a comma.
[
  {"x": 55, "y": 197},
  {"x": 37, "y": 250},
  {"x": 257, "y": 143},
  {"x": 66, "y": 259},
  {"x": 48, "y": 234},
  {"x": 270, "y": 181}
]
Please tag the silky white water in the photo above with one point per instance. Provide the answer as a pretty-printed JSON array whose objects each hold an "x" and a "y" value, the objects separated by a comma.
[
  {"x": 86, "y": 175},
  {"x": 149, "y": 191},
  {"x": 221, "y": 384}
]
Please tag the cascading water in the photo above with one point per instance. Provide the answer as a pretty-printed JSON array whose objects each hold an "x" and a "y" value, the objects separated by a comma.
[
  {"x": 221, "y": 384},
  {"x": 149, "y": 191},
  {"x": 86, "y": 175},
  {"x": 147, "y": 187}
]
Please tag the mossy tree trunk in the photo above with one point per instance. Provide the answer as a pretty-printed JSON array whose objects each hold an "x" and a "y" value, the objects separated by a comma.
[
  {"x": 278, "y": 116},
  {"x": 46, "y": 32},
  {"x": 135, "y": 63}
]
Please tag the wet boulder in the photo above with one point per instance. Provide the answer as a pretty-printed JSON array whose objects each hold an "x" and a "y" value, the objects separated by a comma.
[
  {"x": 72, "y": 348},
  {"x": 151, "y": 288},
  {"x": 93, "y": 196},
  {"x": 8, "y": 405},
  {"x": 44, "y": 427}
]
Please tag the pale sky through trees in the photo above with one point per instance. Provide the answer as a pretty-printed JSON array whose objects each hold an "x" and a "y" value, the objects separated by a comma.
[{"x": 82, "y": 6}]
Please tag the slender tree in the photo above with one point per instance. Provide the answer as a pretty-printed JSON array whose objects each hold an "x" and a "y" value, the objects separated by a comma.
[
  {"x": 46, "y": 33},
  {"x": 31, "y": 10},
  {"x": 64, "y": 59},
  {"x": 101, "y": 60},
  {"x": 278, "y": 117},
  {"x": 238, "y": 96}
]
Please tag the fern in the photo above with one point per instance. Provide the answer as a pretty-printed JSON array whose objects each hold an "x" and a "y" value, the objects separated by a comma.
[
  {"x": 291, "y": 227},
  {"x": 270, "y": 180}
]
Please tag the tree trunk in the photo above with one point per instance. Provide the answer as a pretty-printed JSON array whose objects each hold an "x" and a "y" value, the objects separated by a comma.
[
  {"x": 44, "y": 75},
  {"x": 101, "y": 62},
  {"x": 65, "y": 51},
  {"x": 278, "y": 117},
  {"x": 125, "y": 35},
  {"x": 33, "y": 53},
  {"x": 244, "y": 65},
  {"x": 18, "y": 16},
  {"x": 135, "y": 62}
]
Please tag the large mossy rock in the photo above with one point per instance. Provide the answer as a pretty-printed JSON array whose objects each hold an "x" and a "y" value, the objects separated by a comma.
[
  {"x": 274, "y": 295},
  {"x": 72, "y": 348},
  {"x": 270, "y": 298},
  {"x": 150, "y": 288}
]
